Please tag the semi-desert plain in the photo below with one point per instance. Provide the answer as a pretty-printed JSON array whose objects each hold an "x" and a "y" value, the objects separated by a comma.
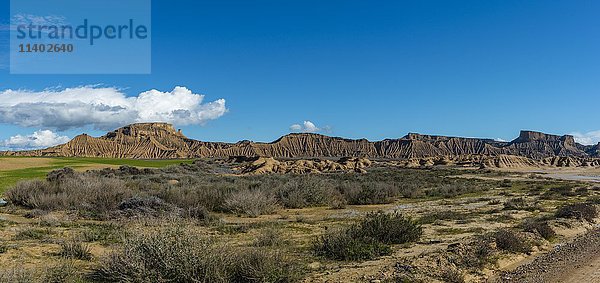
[{"x": 144, "y": 203}]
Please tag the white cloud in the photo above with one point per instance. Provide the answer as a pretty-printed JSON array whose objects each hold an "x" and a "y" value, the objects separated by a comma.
[
  {"x": 306, "y": 127},
  {"x": 37, "y": 140},
  {"x": 590, "y": 138},
  {"x": 104, "y": 108}
]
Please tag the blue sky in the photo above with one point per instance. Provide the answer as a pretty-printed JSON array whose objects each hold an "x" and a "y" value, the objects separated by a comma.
[{"x": 365, "y": 69}]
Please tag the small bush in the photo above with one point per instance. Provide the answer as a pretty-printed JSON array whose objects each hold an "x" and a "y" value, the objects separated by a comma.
[
  {"x": 173, "y": 254},
  {"x": 584, "y": 211},
  {"x": 200, "y": 213},
  {"x": 369, "y": 238},
  {"x": 75, "y": 249},
  {"x": 18, "y": 274},
  {"x": 540, "y": 227},
  {"x": 389, "y": 228},
  {"x": 510, "y": 241},
  {"x": 91, "y": 196},
  {"x": 307, "y": 191},
  {"x": 344, "y": 245},
  {"x": 368, "y": 193},
  {"x": 64, "y": 271},
  {"x": 3, "y": 247},
  {"x": 520, "y": 204},
  {"x": 452, "y": 275},
  {"x": 442, "y": 215},
  {"x": 258, "y": 265},
  {"x": 146, "y": 206},
  {"x": 24, "y": 192},
  {"x": 478, "y": 254},
  {"x": 251, "y": 202}
]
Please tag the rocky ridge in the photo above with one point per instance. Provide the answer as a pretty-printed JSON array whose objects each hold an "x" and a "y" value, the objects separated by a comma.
[{"x": 162, "y": 141}]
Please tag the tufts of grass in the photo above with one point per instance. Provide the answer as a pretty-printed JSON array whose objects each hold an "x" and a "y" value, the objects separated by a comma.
[
  {"x": 75, "y": 249},
  {"x": 33, "y": 234},
  {"x": 269, "y": 237},
  {"x": 432, "y": 217},
  {"x": 103, "y": 233}
]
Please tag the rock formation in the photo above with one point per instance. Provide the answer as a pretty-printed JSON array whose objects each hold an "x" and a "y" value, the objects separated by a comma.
[
  {"x": 162, "y": 141},
  {"x": 264, "y": 165}
]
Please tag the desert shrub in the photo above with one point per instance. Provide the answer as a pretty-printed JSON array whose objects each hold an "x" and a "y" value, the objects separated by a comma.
[
  {"x": 502, "y": 218},
  {"x": 305, "y": 192},
  {"x": 343, "y": 244},
  {"x": 337, "y": 200},
  {"x": 593, "y": 200},
  {"x": 64, "y": 271},
  {"x": 24, "y": 192},
  {"x": 368, "y": 238},
  {"x": 442, "y": 215},
  {"x": 146, "y": 206},
  {"x": 584, "y": 211},
  {"x": 18, "y": 274},
  {"x": 453, "y": 188},
  {"x": 367, "y": 193},
  {"x": 506, "y": 183},
  {"x": 389, "y": 228},
  {"x": 89, "y": 195},
  {"x": 477, "y": 254},
  {"x": 212, "y": 195},
  {"x": 540, "y": 227},
  {"x": 510, "y": 241},
  {"x": 251, "y": 202},
  {"x": 560, "y": 192},
  {"x": 75, "y": 249},
  {"x": 201, "y": 214},
  {"x": 520, "y": 204},
  {"x": 452, "y": 275},
  {"x": 259, "y": 265},
  {"x": 3, "y": 247},
  {"x": 176, "y": 255},
  {"x": 582, "y": 191},
  {"x": 60, "y": 175}
]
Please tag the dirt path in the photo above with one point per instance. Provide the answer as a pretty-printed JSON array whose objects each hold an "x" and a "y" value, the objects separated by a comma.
[{"x": 573, "y": 262}]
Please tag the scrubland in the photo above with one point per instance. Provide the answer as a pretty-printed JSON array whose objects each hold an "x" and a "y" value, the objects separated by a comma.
[{"x": 199, "y": 223}]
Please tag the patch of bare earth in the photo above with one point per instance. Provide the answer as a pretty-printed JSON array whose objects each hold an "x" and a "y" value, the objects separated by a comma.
[{"x": 575, "y": 261}]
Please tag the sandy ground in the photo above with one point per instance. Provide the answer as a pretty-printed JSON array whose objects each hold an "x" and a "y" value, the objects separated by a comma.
[
  {"x": 574, "y": 262},
  {"x": 587, "y": 273}
]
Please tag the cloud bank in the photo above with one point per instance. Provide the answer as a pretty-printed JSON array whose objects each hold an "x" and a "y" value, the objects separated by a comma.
[
  {"x": 591, "y": 138},
  {"x": 37, "y": 140},
  {"x": 306, "y": 127},
  {"x": 105, "y": 108}
]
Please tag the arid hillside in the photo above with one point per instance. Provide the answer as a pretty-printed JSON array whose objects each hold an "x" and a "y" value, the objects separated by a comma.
[{"x": 162, "y": 141}]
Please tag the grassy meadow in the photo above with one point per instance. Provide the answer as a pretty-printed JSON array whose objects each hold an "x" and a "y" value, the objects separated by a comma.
[{"x": 14, "y": 169}]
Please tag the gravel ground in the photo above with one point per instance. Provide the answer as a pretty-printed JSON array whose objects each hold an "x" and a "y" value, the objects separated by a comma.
[{"x": 575, "y": 261}]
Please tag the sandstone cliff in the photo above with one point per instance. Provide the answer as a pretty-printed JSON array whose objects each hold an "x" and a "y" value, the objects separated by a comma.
[{"x": 162, "y": 141}]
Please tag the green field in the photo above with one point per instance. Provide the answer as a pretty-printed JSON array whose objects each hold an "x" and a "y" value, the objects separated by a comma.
[{"x": 15, "y": 169}]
